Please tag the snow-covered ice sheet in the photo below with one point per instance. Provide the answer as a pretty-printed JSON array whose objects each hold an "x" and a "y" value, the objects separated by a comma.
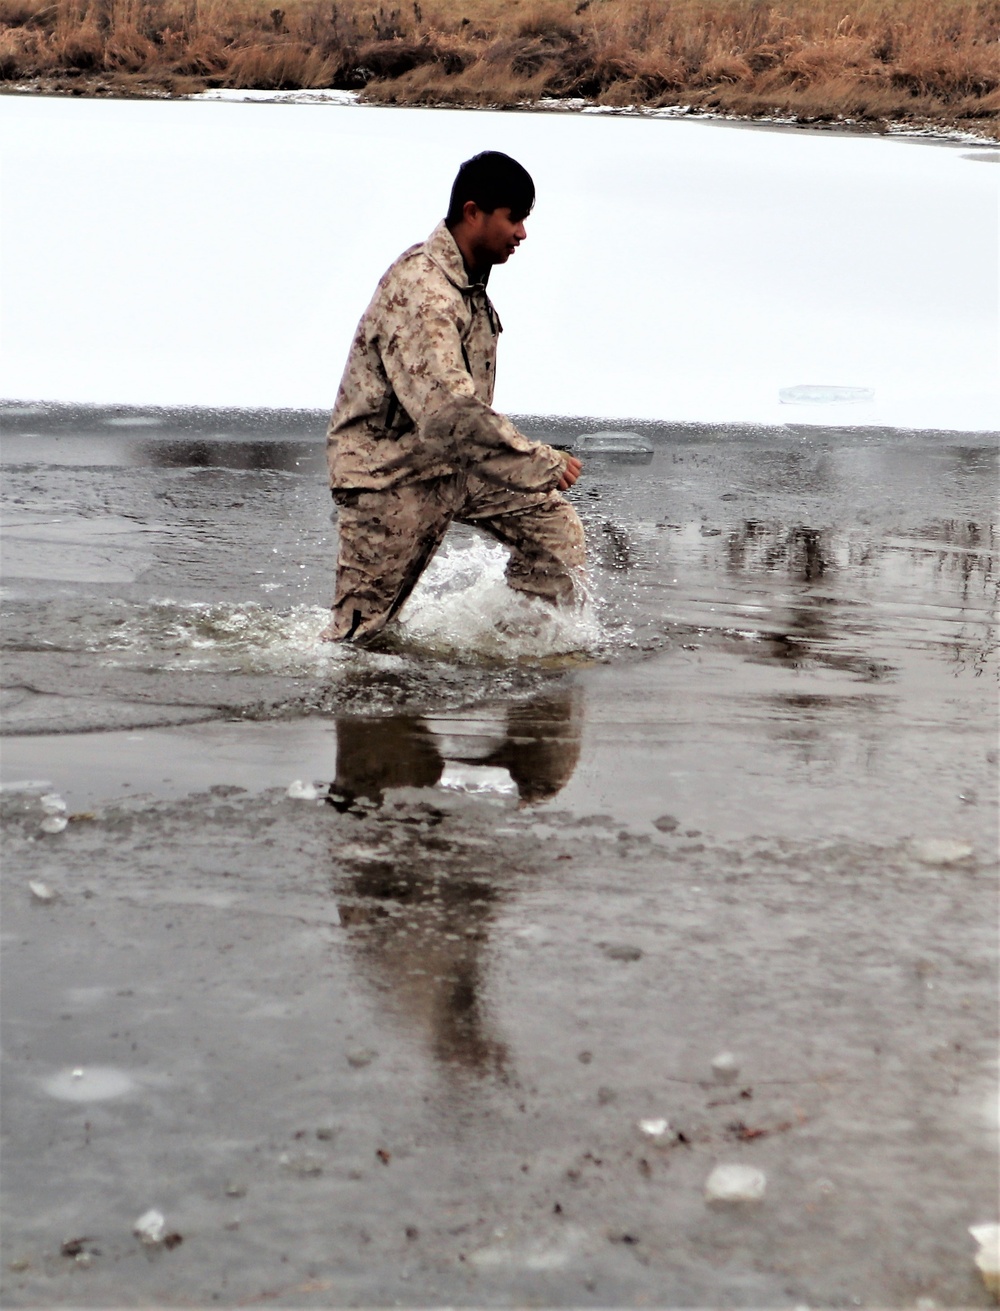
[{"x": 221, "y": 254}]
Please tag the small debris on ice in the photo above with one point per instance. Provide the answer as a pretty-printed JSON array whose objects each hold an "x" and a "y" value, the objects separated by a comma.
[
  {"x": 735, "y": 1183},
  {"x": 988, "y": 1256},
  {"x": 725, "y": 1068},
  {"x": 360, "y": 1057},
  {"x": 77, "y": 1073},
  {"x": 666, "y": 823},
  {"x": 941, "y": 851},
  {"x": 53, "y": 824},
  {"x": 623, "y": 952},
  {"x": 306, "y": 1166},
  {"x": 657, "y": 1131},
  {"x": 151, "y": 1227},
  {"x": 81, "y": 1250},
  {"x": 300, "y": 791},
  {"x": 41, "y": 891},
  {"x": 53, "y": 804}
]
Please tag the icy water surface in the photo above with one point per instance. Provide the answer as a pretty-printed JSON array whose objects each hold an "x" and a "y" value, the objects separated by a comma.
[
  {"x": 774, "y": 614},
  {"x": 366, "y": 969}
]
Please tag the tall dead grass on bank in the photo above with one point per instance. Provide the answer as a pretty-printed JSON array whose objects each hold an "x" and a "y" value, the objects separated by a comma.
[{"x": 931, "y": 61}]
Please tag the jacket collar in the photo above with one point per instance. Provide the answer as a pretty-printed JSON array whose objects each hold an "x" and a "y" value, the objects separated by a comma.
[{"x": 442, "y": 248}]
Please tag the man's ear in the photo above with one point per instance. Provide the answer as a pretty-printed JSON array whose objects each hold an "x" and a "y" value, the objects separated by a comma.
[{"x": 470, "y": 211}]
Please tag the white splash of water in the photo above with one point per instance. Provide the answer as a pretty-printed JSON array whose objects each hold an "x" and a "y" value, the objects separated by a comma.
[
  {"x": 248, "y": 638},
  {"x": 463, "y": 609}
]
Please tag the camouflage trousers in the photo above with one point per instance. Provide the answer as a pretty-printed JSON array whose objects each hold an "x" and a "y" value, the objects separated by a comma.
[{"x": 387, "y": 539}]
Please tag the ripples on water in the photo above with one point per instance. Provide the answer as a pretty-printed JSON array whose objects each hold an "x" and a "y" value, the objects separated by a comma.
[
  {"x": 461, "y": 611},
  {"x": 208, "y": 551}
]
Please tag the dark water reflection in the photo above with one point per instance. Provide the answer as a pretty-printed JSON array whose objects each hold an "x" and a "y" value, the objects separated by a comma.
[
  {"x": 537, "y": 744},
  {"x": 422, "y": 936}
]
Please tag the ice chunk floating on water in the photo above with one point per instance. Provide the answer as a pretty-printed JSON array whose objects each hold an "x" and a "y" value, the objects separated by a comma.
[
  {"x": 735, "y": 1183},
  {"x": 95, "y": 1083},
  {"x": 816, "y": 394},
  {"x": 150, "y": 1227},
  {"x": 658, "y": 1131},
  {"x": 300, "y": 791},
  {"x": 624, "y": 445},
  {"x": 725, "y": 1067}
]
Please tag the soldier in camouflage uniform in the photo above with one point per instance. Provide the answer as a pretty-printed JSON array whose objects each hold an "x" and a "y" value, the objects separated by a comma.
[{"x": 413, "y": 442}]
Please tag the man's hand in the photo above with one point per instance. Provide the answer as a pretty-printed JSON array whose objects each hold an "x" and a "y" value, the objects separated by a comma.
[{"x": 570, "y": 473}]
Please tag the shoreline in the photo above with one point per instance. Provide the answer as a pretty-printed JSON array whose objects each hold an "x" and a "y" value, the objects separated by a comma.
[{"x": 918, "y": 129}]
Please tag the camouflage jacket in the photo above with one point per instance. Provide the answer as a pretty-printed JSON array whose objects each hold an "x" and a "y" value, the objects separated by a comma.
[{"x": 415, "y": 399}]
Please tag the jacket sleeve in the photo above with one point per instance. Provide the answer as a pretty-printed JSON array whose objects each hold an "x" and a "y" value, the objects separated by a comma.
[{"x": 421, "y": 350}]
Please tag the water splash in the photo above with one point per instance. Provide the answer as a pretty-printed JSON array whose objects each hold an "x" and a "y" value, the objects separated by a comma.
[
  {"x": 197, "y": 637},
  {"x": 461, "y": 611}
]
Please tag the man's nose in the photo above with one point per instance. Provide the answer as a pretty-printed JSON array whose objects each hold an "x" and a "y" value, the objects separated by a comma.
[{"x": 520, "y": 232}]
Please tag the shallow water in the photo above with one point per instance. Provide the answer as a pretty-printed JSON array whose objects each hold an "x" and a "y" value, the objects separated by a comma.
[{"x": 777, "y": 616}]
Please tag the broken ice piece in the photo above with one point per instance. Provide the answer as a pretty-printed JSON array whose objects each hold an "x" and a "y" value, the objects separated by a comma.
[
  {"x": 53, "y": 824},
  {"x": 735, "y": 1183},
  {"x": 941, "y": 851},
  {"x": 988, "y": 1256},
  {"x": 53, "y": 804},
  {"x": 41, "y": 891},
  {"x": 623, "y": 444},
  {"x": 658, "y": 1131},
  {"x": 151, "y": 1227},
  {"x": 300, "y": 791},
  {"x": 725, "y": 1068},
  {"x": 823, "y": 394}
]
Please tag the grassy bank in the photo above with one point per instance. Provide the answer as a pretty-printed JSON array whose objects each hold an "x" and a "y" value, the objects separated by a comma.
[{"x": 932, "y": 62}]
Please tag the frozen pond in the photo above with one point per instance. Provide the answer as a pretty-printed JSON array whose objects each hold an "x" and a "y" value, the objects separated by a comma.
[
  {"x": 221, "y": 254},
  {"x": 391, "y": 1039}
]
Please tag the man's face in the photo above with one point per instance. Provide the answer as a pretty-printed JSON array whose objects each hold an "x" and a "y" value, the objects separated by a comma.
[{"x": 497, "y": 236}]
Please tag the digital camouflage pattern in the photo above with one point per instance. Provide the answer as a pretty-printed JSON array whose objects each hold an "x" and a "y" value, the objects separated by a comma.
[
  {"x": 414, "y": 443},
  {"x": 415, "y": 399},
  {"x": 388, "y": 538}
]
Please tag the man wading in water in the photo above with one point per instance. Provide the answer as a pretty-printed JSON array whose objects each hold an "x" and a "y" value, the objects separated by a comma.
[{"x": 413, "y": 442}]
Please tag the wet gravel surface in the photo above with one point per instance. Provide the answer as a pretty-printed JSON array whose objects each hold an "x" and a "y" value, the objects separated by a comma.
[
  {"x": 400, "y": 1054},
  {"x": 389, "y": 1042}
]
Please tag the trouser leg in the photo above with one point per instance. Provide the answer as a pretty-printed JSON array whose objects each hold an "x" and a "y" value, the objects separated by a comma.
[
  {"x": 545, "y": 538},
  {"x": 387, "y": 539}
]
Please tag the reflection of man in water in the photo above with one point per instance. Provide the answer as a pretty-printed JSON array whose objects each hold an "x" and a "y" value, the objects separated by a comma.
[
  {"x": 418, "y": 922},
  {"x": 539, "y": 749},
  {"x": 413, "y": 441}
]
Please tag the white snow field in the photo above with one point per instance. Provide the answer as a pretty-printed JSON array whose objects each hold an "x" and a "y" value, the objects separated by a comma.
[{"x": 221, "y": 254}]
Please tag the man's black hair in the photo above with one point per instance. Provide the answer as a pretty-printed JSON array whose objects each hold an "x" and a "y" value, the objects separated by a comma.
[{"x": 494, "y": 181}]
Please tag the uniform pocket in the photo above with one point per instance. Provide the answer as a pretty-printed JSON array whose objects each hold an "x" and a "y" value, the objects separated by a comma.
[{"x": 396, "y": 421}]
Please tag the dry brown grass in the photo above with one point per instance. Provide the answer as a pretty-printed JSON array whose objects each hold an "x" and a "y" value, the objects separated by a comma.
[{"x": 872, "y": 61}]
